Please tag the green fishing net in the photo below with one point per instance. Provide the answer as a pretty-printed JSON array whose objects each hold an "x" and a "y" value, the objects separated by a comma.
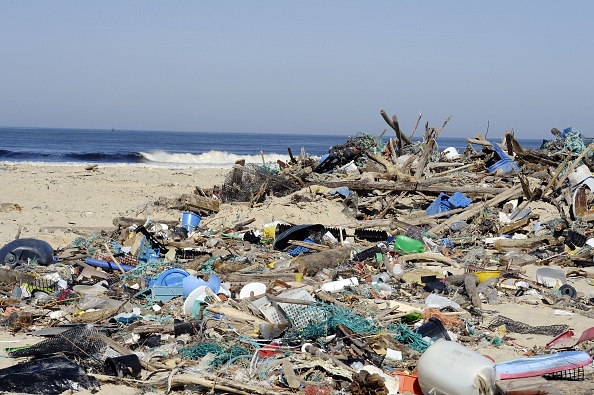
[{"x": 222, "y": 353}]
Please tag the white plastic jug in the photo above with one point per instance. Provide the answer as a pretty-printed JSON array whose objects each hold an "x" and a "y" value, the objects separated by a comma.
[{"x": 450, "y": 368}]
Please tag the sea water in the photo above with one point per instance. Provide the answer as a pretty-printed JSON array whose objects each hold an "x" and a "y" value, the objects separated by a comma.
[{"x": 171, "y": 148}]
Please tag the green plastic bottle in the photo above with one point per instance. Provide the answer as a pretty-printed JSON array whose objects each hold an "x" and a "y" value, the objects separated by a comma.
[{"x": 408, "y": 244}]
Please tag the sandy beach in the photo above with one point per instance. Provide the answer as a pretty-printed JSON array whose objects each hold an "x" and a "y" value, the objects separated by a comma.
[
  {"x": 59, "y": 203},
  {"x": 49, "y": 201}
]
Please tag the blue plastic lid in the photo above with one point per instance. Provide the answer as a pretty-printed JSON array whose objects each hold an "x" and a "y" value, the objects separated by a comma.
[{"x": 172, "y": 278}]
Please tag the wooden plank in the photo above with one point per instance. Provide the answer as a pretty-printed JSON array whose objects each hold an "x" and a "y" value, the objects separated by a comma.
[{"x": 201, "y": 202}]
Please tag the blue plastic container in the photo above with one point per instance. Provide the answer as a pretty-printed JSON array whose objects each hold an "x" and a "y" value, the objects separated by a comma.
[
  {"x": 439, "y": 205},
  {"x": 459, "y": 200},
  {"x": 298, "y": 250},
  {"x": 505, "y": 164},
  {"x": 190, "y": 220}
]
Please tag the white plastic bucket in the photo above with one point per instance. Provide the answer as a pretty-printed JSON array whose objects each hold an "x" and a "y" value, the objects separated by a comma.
[
  {"x": 451, "y": 153},
  {"x": 579, "y": 175}
]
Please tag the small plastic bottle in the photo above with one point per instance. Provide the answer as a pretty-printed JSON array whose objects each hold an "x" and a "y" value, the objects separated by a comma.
[{"x": 397, "y": 270}]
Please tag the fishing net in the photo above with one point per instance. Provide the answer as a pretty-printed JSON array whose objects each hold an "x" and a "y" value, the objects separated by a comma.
[
  {"x": 82, "y": 340},
  {"x": 321, "y": 319},
  {"x": 246, "y": 183},
  {"x": 362, "y": 142},
  {"x": 151, "y": 269},
  {"x": 222, "y": 353},
  {"x": 449, "y": 322},
  {"x": 520, "y": 327},
  {"x": 92, "y": 243},
  {"x": 405, "y": 335}
]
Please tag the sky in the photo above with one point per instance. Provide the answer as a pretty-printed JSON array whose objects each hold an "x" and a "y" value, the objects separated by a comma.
[{"x": 323, "y": 67}]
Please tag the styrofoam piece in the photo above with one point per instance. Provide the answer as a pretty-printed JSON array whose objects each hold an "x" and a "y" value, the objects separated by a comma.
[
  {"x": 252, "y": 289},
  {"x": 550, "y": 277}
]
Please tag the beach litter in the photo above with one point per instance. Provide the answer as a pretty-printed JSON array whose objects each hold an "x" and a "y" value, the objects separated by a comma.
[{"x": 409, "y": 295}]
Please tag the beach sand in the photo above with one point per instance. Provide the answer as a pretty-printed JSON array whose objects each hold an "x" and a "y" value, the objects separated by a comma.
[{"x": 55, "y": 203}]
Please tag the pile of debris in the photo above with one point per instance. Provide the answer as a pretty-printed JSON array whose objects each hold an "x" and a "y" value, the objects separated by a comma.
[{"x": 399, "y": 300}]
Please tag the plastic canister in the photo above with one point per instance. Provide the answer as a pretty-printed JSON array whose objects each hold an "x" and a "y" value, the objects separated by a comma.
[
  {"x": 408, "y": 244},
  {"x": 450, "y": 368}
]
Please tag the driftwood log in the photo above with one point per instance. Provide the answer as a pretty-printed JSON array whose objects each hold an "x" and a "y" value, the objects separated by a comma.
[
  {"x": 360, "y": 185},
  {"x": 431, "y": 257},
  {"x": 204, "y": 380},
  {"x": 399, "y": 135},
  {"x": 505, "y": 245},
  {"x": 200, "y": 203},
  {"x": 125, "y": 222}
]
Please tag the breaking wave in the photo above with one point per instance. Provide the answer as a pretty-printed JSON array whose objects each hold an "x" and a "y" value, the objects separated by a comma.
[{"x": 208, "y": 159}]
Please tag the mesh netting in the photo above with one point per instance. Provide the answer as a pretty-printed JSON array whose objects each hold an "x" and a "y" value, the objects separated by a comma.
[
  {"x": 405, "y": 335},
  {"x": 321, "y": 319},
  {"x": 520, "y": 327},
  {"x": 92, "y": 244},
  {"x": 243, "y": 183},
  {"x": 363, "y": 142},
  {"x": 151, "y": 269},
  {"x": 222, "y": 353},
  {"x": 81, "y": 340}
]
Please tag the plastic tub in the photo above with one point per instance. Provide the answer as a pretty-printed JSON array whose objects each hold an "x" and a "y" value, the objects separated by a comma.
[
  {"x": 190, "y": 220},
  {"x": 487, "y": 274}
]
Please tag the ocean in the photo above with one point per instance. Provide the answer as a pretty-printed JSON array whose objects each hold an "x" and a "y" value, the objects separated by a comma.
[{"x": 169, "y": 148}]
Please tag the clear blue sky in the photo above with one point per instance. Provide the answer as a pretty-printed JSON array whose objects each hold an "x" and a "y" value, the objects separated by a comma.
[{"x": 298, "y": 67}]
